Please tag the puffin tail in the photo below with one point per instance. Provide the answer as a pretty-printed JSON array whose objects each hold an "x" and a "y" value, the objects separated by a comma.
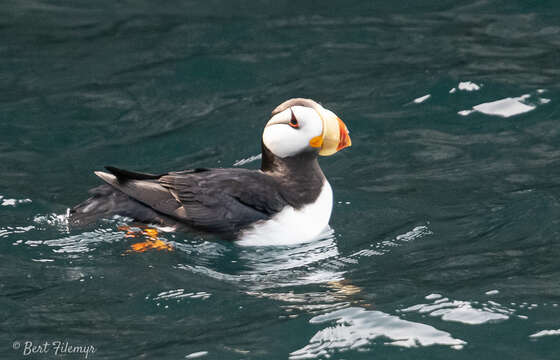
[
  {"x": 105, "y": 201},
  {"x": 108, "y": 200},
  {"x": 123, "y": 175}
]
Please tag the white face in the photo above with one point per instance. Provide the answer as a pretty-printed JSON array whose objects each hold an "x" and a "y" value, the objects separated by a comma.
[{"x": 284, "y": 138}]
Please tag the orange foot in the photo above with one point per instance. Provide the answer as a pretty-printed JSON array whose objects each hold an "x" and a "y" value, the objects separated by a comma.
[{"x": 152, "y": 241}]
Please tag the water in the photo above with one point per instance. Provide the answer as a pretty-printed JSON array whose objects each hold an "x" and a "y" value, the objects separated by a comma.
[{"x": 446, "y": 234}]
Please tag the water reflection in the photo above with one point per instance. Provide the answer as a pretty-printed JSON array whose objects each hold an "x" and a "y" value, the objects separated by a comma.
[
  {"x": 315, "y": 275},
  {"x": 259, "y": 268},
  {"x": 355, "y": 327},
  {"x": 506, "y": 107},
  {"x": 471, "y": 313},
  {"x": 81, "y": 243},
  {"x": 9, "y": 230},
  {"x": 13, "y": 202},
  {"x": 545, "y": 333},
  {"x": 307, "y": 280}
]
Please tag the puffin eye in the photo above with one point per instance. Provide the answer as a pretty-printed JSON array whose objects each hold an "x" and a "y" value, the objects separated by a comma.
[{"x": 293, "y": 121}]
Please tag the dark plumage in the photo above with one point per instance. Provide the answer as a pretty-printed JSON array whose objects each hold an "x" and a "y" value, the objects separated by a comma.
[
  {"x": 227, "y": 201},
  {"x": 222, "y": 201}
]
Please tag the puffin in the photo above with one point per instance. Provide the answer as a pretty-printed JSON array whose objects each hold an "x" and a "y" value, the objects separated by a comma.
[{"x": 288, "y": 198}]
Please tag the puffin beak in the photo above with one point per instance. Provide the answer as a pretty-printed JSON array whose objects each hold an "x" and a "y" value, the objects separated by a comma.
[
  {"x": 335, "y": 135},
  {"x": 344, "y": 139}
]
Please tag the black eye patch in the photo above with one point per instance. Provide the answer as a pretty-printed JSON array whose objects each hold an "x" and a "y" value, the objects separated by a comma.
[{"x": 293, "y": 121}]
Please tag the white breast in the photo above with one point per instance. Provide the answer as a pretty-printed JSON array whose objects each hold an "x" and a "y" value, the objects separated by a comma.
[{"x": 291, "y": 226}]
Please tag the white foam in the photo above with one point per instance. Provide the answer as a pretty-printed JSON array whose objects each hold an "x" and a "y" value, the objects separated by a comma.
[
  {"x": 492, "y": 292},
  {"x": 59, "y": 221}
]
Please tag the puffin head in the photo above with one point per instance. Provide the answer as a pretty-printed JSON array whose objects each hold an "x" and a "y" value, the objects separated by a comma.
[{"x": 302, "y": 125}]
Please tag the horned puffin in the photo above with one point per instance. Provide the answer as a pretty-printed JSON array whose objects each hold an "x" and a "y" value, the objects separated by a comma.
[{"x": 289, "y": 196}]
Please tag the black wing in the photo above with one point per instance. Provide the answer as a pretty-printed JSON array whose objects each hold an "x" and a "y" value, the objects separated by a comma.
[{"x": 216, "y": 200}]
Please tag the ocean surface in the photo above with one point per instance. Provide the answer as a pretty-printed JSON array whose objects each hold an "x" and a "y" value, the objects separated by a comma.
[{"x": 445, "y": 238}]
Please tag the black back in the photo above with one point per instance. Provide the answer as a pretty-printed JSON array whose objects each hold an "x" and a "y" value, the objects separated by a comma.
[{"x": 213, "y": 200}]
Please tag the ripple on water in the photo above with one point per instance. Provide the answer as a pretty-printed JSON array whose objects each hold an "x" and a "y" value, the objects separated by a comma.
[
  {"x": 421, "y": 99},
  {"x": 385, "y": 246},
  {"x": 471, "y": 313},
  {"x": 165, "y": 298},
  {"x": 545, "y": 333},
  {"x": 355, "y": 327},
  {"x": 507, "y": 107},
  {"x": 468, "y": 86},
  {"x": 263, "y": 268},
  {"x": 290, "y": 257},
  {"x": 13, "y": 202},
  {"x": 196, "y": 355},
  {"x": 248, "y": 160},
  {"x": 80, "y": 243},
  {"x": 59, "y": 221},
  {"x": 9, "y": 230}
]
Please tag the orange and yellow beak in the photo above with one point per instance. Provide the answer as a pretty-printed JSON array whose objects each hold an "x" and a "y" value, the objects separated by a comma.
[
  {"x": 335, "y": 136},
  {"x": 344, "y": 140}
]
